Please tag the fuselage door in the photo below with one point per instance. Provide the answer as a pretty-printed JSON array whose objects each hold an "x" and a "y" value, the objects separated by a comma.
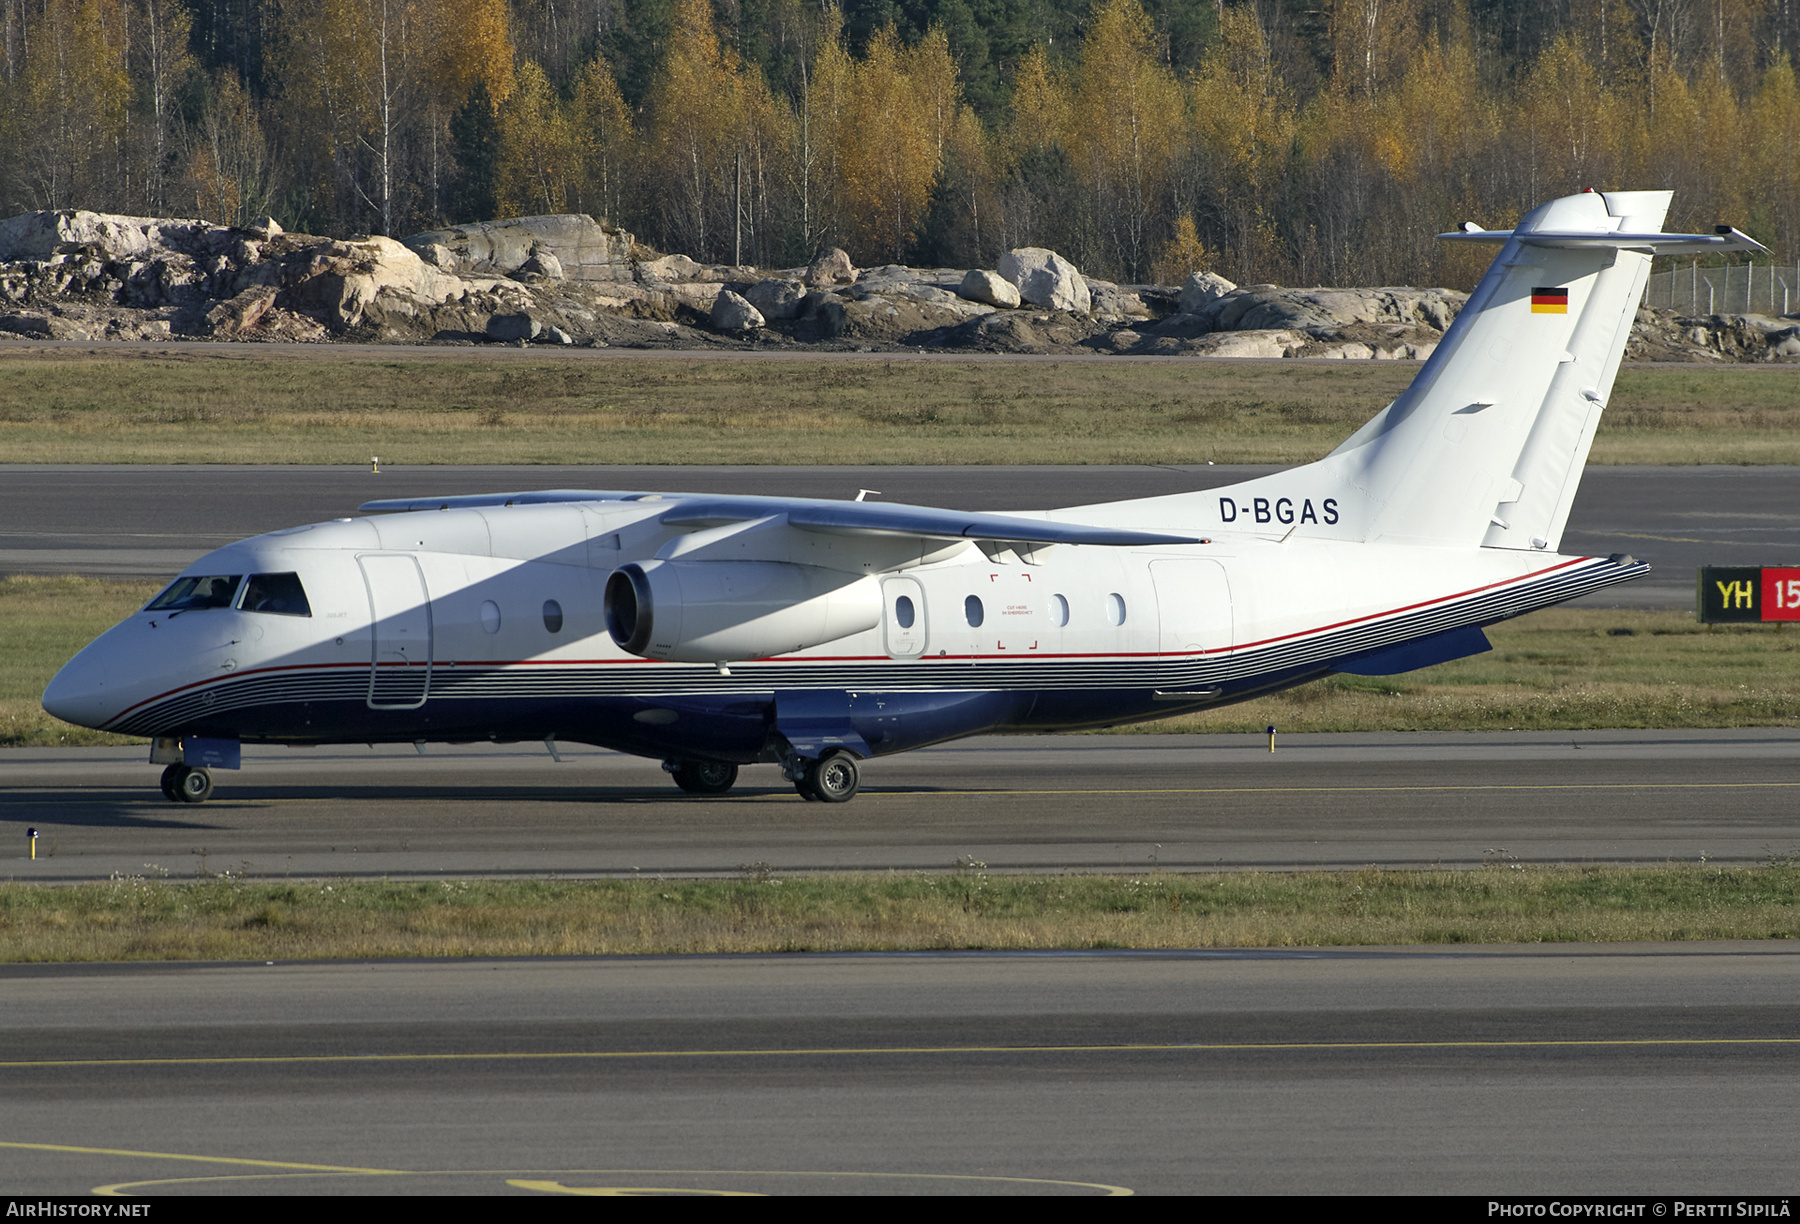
[
  {"x": 400, "y": 615},
  {"x": 903, "y": 624},
  {"x": 1193, "y": 606}
]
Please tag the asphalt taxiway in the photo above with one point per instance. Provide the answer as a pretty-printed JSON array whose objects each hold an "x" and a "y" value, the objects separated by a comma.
[
  {"x": 1649, "y": 1069},
  {"x": 1024, "y": 803}
]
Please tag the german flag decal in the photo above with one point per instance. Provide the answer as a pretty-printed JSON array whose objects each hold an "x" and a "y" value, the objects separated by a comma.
[{"x": 1549, "y": 301}]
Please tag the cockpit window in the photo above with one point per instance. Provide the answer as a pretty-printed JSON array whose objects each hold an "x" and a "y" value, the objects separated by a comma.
[
  {"x": 186, "y": 594},
  {"x": 281, "y": 594}
]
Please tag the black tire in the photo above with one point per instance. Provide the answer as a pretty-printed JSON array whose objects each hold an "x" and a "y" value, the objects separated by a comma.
[
  {"x": 171, "y": 782},
  {"x": 834, "y": 778},
  {"x": 804, "y": 788},
  {"x": 705, "y": 777},
  {"x": 194, "y": 786}
]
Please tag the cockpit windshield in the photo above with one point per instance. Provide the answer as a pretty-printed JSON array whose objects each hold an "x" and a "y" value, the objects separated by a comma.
[
  {"x": 187, "y": 594},
  {"x": 280, "y": 594}
]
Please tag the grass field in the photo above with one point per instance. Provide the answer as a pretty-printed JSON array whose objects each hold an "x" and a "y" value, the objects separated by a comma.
[
  {"x": 239, "y": 404},
  {"x": 1561, "y": 669},
  {"x": 151, "y": 918}
]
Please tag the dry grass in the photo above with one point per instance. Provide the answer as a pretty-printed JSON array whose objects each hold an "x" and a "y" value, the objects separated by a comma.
[
  {"x": 244, "y": 405},
  {"x": 1560, "y": 669},
  {"x": 43, "y": 622},
  {"x": 224, "y": 919}
]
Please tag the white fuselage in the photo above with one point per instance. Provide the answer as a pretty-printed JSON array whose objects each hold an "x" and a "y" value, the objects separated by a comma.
[{"x": 488, "y": 623}]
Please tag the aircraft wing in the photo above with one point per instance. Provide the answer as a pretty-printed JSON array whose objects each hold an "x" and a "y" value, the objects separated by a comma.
[{"x": 888, "y": 519}]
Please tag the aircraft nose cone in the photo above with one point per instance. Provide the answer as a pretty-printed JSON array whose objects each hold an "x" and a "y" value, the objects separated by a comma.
[{"x": 78, "y": 693}]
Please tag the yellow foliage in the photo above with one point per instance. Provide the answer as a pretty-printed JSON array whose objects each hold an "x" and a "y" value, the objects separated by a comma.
[
  {"x": 600, "y": 131},
  {"x": 890, "y": 148},
  {"x": 537, "y": 157},
  {"x": 70, "y": 101},
  {"x": 1182, "y": 256},
  {"x": 1370, "y": 40},
  {"x": 468, "y": 41},
  {"x": 1040, "y": 106},
  {"x": 1128, "y": 120},
  {"x": 1242, "y": 110}
]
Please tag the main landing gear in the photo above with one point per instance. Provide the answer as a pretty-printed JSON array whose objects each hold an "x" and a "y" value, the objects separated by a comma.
[
  {"x": 703, "y": 777},
  {"x": 187, "y": 784},
  {"x": 830, "y": 779}
]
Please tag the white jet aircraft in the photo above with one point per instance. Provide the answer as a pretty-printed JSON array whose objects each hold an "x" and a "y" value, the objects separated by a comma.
[{"x": 715, "y": 632}]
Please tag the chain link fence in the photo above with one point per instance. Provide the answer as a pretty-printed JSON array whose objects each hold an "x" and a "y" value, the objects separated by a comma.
[{"x": 1765, "y": 289}]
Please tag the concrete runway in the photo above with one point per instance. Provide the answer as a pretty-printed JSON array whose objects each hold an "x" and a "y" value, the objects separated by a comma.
[
  {"x": 151, "y": 521},
  {"x": 1631, "y": 1070},
  {"x": 1034, "y": 803}
]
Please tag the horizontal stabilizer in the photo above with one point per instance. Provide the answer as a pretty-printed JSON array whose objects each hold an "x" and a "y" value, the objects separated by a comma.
[{"x": 1724, "y": 241}]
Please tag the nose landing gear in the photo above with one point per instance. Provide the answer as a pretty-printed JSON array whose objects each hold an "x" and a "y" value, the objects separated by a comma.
[{"x": 187, "y": 784}]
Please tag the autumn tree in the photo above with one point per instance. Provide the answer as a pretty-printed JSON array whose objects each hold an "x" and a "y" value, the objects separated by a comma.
[
  {"x": 355, "y": 76},
  {"x": 821, "y": 108},
  {"x": 1370, "y": 43},
  {"x": 537, "y": 162},
  {"x": 467, "y": 50},
  {"x": 1128, "y": 118},
  {"x": 69, "y": 104},
  {"x": 605, "y": 144},
  {"x": 1033, "y": 157},
  {"x": 1774, "y": 158},
  {"x": 1245, "y": 126},
  {"x": 227, "y": 172},
  {"x": 162, "y": 67},
  {"x": 889, "y": 150},
  {"x": 716, "y": 137}
]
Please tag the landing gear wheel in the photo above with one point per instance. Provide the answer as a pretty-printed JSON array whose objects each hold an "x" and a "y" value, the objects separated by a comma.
[
  {"x": 831, "y": 780},
  {"x": 705, "y": 777},
  {"x": 185, "y": 784}
]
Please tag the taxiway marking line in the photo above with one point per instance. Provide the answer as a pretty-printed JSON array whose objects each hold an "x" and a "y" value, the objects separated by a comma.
[
  {"x": 235, "y": 1160},
  {"x": 879, "y": 792},
  {"x": 883, "y": 792},
  {"x": 119, "y": 1189},
  {"x": 819, "y": 1051}
]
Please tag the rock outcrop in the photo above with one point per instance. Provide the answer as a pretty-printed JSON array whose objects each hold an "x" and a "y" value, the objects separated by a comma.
[
  {"x": 566, "y": 246},
  {"x": 1045, "y": 279},
  {"x": 980, "y": 285},
  {"x": 72, "y": 275},
  {"x": 731, "y": 313},
  {"x": 832, "y": 267}
]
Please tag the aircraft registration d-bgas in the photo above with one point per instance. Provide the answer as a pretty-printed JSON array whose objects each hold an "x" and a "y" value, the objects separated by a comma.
[{"x": 716, "y": 632}]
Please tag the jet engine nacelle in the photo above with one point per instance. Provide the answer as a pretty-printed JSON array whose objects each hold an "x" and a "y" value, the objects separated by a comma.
[{"x": 718, "y": 611}]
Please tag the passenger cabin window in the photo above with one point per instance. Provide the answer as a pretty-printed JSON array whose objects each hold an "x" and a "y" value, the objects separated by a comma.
[
  {"x": 903, "y": 611},
  {"x": 1059, "y": 611},
  {"x": 280, "y": 594},
  {"x": 552, "y": 616},
  {"x": 1115, "y": 609},
  {"x": 972, "y": 610},
  {"x": 188, "y": 594}
]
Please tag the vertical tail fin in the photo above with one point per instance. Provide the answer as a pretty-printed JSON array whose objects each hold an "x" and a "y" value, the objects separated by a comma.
[{"x": 1487, "y": 445}]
